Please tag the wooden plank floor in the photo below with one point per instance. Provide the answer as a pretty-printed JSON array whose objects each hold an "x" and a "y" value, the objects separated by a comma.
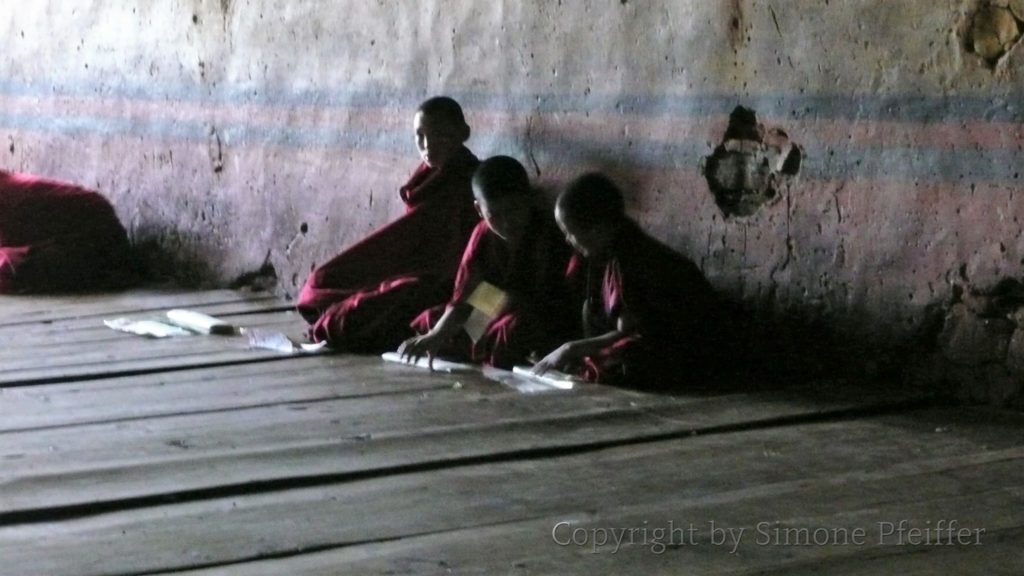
[{"x": 196, "y": 455}]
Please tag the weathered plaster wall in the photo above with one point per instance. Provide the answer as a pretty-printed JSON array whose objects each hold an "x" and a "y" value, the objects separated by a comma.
[{"x": 238, "y": 132}]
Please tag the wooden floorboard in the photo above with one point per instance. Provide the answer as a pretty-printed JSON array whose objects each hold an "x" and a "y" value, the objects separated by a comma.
[
  {"x": 121, "y": 455},
  {"x": 83, "y": 468},
  {"x": 290, "y": 380},
  {"x": 529, "y": 547},
  {"x": 688, "y": 479},
  {"x": 937, "y": 485},
  {"x": 102, "y": 352},
  {"x": 36, "y": 309},
  {"x": 26, "y": 337},
  {"x": 32, "y": 346}
]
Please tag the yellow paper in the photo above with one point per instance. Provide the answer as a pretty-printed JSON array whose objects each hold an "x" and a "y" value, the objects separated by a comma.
[
  {"x": 476, "y": 325},
  {"x": 488, "y": 298}
]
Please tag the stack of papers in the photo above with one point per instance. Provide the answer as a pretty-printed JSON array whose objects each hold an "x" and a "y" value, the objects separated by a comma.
[{"x": 200, "y": 323}]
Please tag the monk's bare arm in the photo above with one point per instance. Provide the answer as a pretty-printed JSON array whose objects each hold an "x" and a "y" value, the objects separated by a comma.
[
  {"x": 574, "y": 351},
  {"x": 446, "y": 328}
]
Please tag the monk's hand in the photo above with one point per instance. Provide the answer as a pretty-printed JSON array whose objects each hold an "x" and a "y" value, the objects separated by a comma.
[
  {"x": 559, "y": 359},
  {"x": 412, "y": 349},
  {"x": 418, "y": 346}
]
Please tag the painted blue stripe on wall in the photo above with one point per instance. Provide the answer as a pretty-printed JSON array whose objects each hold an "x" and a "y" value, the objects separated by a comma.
[
  {"x": 997, "y": 107},
  {"x": 908, "y": 164}
]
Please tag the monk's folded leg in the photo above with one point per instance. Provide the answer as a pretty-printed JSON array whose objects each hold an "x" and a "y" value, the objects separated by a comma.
[
  {"x": 71, "y": 264},
  {"x": 11, "y": 259},
  {"x": 377, "y": 320}
]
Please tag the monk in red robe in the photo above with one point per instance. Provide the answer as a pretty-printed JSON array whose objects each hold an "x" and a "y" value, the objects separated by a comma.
[
  {"x": 511, "y": 281},
  {"x": 58, "y": 237},
  {"x": 364, "y": 298},
  {"x": 651, "y": 319}
]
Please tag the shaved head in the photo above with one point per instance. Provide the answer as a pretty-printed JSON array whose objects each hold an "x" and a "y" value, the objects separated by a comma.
[
  {"x": 445, "y": 109},
  {"x": 501, "y": 177},
  {"x": 592, "y": 200}
]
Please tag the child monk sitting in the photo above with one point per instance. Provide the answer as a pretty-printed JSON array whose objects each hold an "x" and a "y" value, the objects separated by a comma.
[
  {"x": 510, "y": 297},
  {"x": 364, "y": 298},
  {"x": 57, "y": 237},
  {"x": 649, "y": 314}
]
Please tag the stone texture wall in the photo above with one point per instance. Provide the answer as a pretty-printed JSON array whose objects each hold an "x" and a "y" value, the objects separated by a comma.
[{"x": 235, "y": 135}]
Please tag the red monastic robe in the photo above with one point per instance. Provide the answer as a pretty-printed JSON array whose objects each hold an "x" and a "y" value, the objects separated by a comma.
[
  {"x": 57, "y": 237},
  {"x": 677, "y": 319},
  {"x": 363, "y": 299},
  {"x": 541, "y": 312}
]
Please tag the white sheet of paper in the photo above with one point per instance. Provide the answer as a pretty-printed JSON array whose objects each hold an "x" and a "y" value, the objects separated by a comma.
[
  {"x": 440, "y": 365},
  {"x": 517, "y": 382},
  {"x": 148, "y": 328},
  {"x": 279, "y": 342},
  {"x": 552, "y": 378}
]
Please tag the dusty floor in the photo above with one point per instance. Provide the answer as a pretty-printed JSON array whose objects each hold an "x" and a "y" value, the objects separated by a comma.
[{"x": 197, "y": 455}]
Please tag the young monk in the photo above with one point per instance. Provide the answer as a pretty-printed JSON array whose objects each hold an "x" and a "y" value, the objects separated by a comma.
[
  {"x": 511, "y": 283},
  {"x": 58, "y": 237},
  {"x": 363, "y": 299},
  {"x": 649, "y": 315}
]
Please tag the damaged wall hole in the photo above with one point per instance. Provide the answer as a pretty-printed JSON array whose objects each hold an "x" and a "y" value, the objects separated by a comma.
[
  {"x": 980, "y": 348},
  {"x": 216, "y": 150},
  {"x": 994, "y": 29},
  {"x": 751, "y": 165}
]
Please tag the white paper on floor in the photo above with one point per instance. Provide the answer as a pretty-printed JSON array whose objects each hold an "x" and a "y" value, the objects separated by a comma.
[
  {"x": 174, "y": 323},
  {"x": 148, "y": 328},
  {"x": 265, "y": 339},
  {"x": 439, "y": 365}
]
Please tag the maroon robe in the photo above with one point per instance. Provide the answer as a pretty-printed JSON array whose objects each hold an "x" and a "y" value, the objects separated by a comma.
[
  {"x": 540, "y": 313},
  {"x": 676, "y": 315},
  {"x": 363, "y": 299},
  {"x": 57, "y": 237}
]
